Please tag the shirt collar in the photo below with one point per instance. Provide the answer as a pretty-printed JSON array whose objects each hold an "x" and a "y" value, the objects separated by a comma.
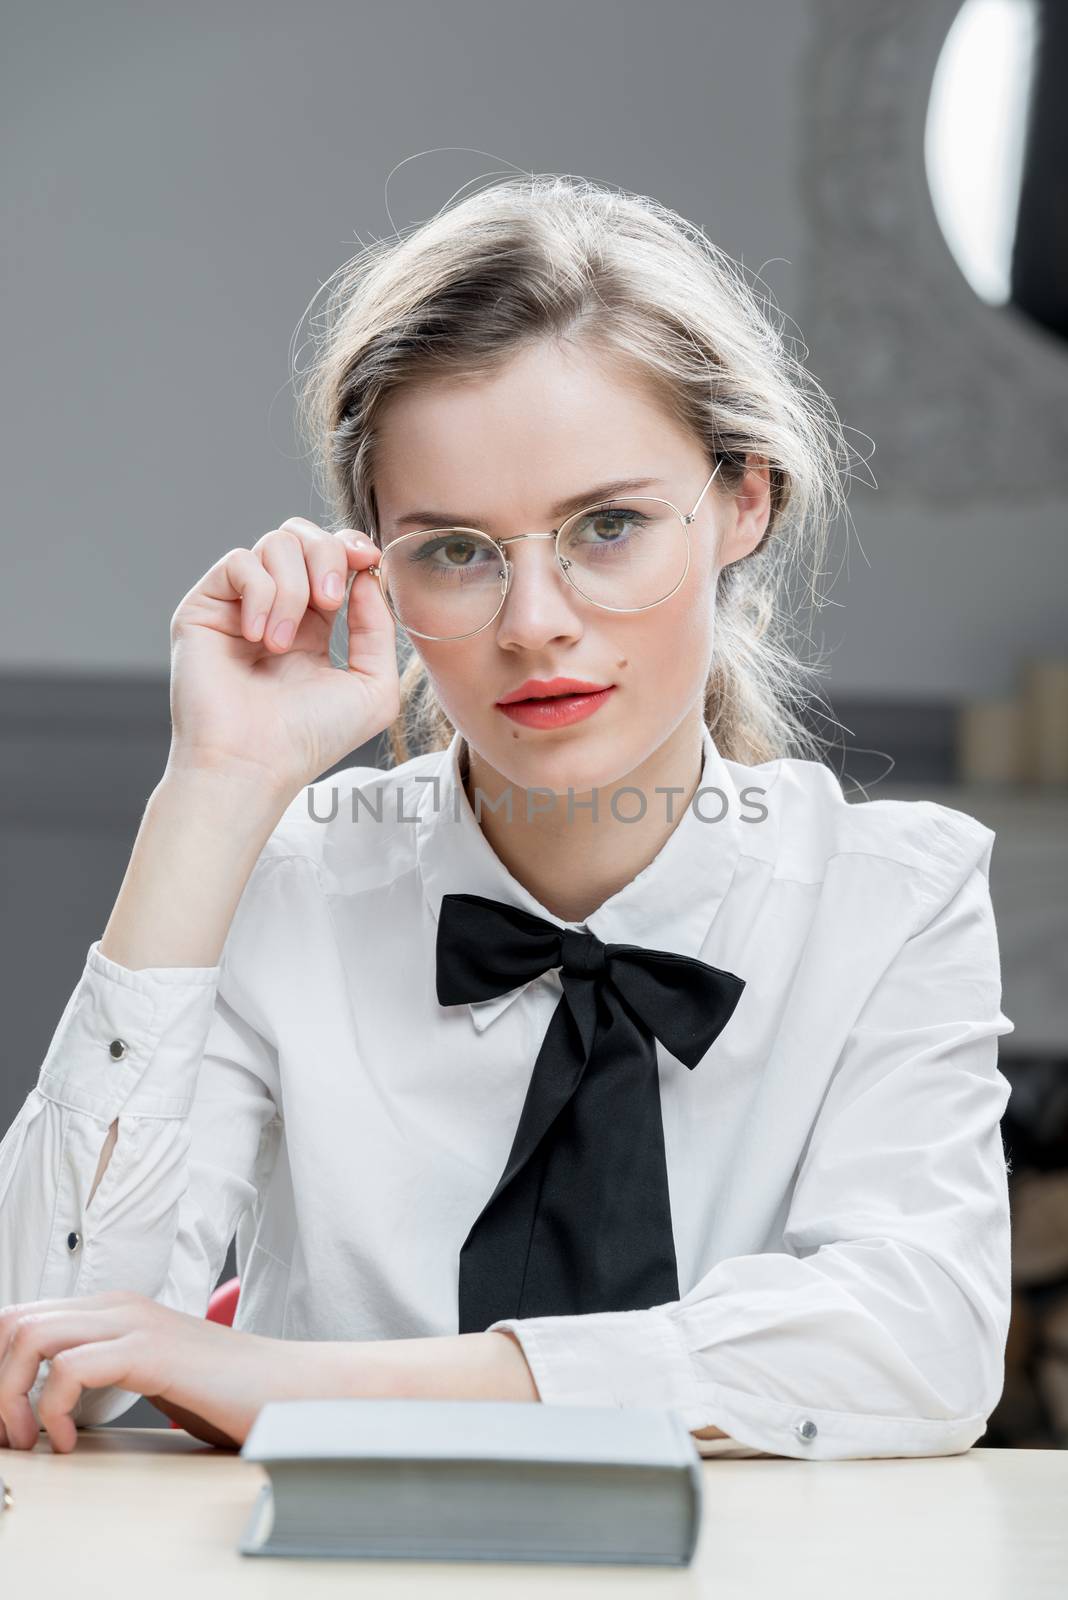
[{"x": 670, "y": 905}]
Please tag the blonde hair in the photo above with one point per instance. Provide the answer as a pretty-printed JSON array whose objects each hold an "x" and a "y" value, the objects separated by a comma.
[{"x": 550, "y": 256}]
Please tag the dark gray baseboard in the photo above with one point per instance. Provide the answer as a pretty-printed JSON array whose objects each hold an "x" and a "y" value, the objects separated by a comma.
[
  {"x": 86, "y": 752},
  {"x": 888, "y": 740}
]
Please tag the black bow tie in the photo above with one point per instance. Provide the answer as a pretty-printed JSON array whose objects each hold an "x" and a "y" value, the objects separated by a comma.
[{"x": 580, "y": 1220}]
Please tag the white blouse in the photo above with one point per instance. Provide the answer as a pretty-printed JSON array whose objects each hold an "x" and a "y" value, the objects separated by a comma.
[{"x": 836, "y": 1172}]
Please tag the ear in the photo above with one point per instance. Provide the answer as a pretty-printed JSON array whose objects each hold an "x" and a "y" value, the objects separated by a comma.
[{"x": 747, "y": 512}]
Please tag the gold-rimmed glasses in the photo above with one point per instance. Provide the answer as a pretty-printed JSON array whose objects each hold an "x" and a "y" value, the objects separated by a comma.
[{"x": 625, "y": 554}]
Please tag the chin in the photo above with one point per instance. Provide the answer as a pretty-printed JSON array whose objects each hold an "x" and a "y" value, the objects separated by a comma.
[{"x": 570, "y": 758}]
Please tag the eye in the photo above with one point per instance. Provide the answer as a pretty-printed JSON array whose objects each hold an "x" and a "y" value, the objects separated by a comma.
[
  {"x": 458, "y": 550},
  {"x": 607, "y": 524}
]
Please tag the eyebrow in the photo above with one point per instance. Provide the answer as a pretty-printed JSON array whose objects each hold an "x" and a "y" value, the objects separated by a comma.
[{"x": 574, "y": 502}]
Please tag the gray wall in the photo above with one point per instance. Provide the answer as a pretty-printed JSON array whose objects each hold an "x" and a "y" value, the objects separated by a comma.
[{"x": 185, "y": 179}]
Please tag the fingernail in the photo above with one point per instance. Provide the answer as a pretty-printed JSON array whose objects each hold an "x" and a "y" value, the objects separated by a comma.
[
  {"x": 283, "y": 633},
  {"x": 332, "y": 585}
]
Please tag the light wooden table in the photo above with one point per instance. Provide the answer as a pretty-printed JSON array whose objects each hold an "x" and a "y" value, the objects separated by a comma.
[{"x": 154, "y": 1513}]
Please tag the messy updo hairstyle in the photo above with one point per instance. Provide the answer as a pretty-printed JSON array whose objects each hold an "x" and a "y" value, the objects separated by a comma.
[{"x": 547, "y": 256}]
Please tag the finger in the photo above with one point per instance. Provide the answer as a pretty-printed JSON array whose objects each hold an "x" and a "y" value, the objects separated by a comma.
[
  {"x": 242, "y": 575},
  {"x": 328, "y": 558},
  {"x": 239, "y": 576},
  {"x": 322, "y": 557},
  {"x": 101, "y": 1300},
  {"x": 360, "y": 549},
  {"x": 16, "y": 1413},
  {"x": 77, "y": 1368},
  {"x": 282, "y": 555},
  {"x": 38, "y": 1336},
  {"x": 10, "y": 1314}
]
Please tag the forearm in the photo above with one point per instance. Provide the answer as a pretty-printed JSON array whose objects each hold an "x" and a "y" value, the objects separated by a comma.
[
  {"x": 199, "y": 839},
  {"x": 466, "y": 1366},
  {"x": 224, "y": 1378}
]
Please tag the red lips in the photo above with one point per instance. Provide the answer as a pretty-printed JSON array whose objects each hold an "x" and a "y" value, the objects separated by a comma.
[{"x": 541, "y": 688}]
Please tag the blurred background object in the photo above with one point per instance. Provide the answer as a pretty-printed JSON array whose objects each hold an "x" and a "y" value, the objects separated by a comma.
[
  {"x": 1020, "y": 739},
  {"x": 891, "y": 173},
  {"x": 996, "y": 153},
  {"x": 935, "y": 302}
]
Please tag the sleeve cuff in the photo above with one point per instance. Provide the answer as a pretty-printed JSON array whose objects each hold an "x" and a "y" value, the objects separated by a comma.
[
  {"x": 640, "y": 1358},
  {"x": 131, "y": 1041},
  {"x": 606, "y": 1358}
]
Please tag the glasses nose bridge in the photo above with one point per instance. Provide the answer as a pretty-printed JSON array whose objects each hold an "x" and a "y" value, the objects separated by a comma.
[
  {"x": 516, "y": 537},
  {"x": 558, "y": 561}
]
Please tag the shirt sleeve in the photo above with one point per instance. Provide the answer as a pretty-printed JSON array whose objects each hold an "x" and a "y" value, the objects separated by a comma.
[
  {"x": 879, "y": 1329},
  {"x": 189, "y": 1081}
]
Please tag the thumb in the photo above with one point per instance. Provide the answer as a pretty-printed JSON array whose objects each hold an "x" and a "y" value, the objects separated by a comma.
[{"x": 372, "y": 630}]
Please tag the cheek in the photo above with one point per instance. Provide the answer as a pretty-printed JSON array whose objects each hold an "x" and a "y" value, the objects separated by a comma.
[
  {"x": 455, "y": 671},
  {"x": 678, "y": 635}
]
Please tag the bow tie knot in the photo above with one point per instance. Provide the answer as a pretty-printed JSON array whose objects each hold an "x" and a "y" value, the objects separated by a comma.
[
  {"x": 580, "y": 1220},
  {"x": 582, "y": 954}
]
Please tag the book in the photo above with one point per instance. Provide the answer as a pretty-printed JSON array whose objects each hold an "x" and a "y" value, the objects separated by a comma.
[{"x": 474, "y": 1480}]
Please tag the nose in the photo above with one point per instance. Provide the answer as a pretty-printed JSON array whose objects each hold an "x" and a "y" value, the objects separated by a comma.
[{"x": 540, "y": 604}]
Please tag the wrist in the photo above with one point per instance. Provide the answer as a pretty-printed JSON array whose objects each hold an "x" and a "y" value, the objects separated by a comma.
[
  {"x": 466, "y": 1366},
  {"x": 244, "y": 771},
  {"x": 224, "y": 791},
  {"x": 522, "y": 1377}
]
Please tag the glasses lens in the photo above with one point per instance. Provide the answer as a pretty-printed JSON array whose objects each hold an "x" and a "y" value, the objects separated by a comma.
[
  {"x": 446, "y": 583},
  {"x": 625, "y": 554}
]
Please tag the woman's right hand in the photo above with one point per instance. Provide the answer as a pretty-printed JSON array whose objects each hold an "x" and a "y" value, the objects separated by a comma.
[{"x": 245, "y": 702}]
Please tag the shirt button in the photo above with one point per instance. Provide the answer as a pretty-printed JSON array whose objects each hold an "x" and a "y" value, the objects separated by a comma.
[
  {"x": 73, "y": 1241},
  {"x": 806, "y": 1431},
  {"x": 117, "y": 1048}
]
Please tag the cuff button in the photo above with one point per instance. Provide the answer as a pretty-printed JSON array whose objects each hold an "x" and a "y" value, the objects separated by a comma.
[
  {"x": 117, "y": 1048},
  {"x": 806, "y": 1431},
  {"x": 73, "y": 1241}
]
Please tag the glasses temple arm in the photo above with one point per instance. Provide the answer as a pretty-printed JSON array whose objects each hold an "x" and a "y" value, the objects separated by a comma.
[{"x": 704, "y": 491}]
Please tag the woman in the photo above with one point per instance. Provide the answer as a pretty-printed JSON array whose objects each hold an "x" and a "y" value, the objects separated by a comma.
[{"x": 596, "y": 1052}]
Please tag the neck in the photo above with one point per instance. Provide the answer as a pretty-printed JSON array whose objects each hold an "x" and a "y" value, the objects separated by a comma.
[{"x": 572, "y": 863}]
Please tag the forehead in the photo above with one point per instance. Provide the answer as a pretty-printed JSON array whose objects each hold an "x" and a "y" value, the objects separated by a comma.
[{"x": 550, "y": 420}]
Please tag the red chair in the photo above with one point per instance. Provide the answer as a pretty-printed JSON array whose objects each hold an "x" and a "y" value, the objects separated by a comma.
[{"x": 221, "y": 1308}]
